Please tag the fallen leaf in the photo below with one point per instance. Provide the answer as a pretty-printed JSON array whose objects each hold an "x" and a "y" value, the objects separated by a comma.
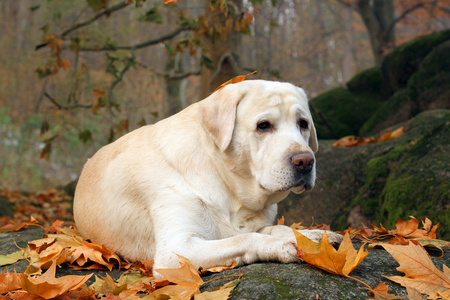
[
  {"x": 9, "y": 282},
  {"x": 381, "y": 293},
  {"x": 47, "y": 286},
  {"x": 325, "y": 257},
  {"x": 186, "y": 278},
  {"x": 234, "y": 80},
  {"x": 420, "y": 272},
  {"x": 55, "y": 228},
  {"x": 16, "y": 227},
  {"x": 170, "y": 1},
  {"x": 220, "y": 269},
  {"x": 352, "y": 141},
  {"x": 12, "y": 258}
]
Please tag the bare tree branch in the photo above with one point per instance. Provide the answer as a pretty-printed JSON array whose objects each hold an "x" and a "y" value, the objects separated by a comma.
[
  {"x": 140, "y": 45},
  {"x": 106, "y": 12},
  {"x": 77, "y": 26},
  {"x": 403, "y": 15},
  {"x": 59, "y": 106}
]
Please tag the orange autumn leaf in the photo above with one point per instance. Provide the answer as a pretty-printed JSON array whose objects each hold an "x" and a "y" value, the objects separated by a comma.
[
  {"x": 420, "y": 272},
  {"x": 55, "y": 228},
  {"x": 410, "y": 229},
  {"x": 186, "y": 278},
  {"x": 9, "y": 282},
  {"x": 170, "y": 1},
  {"x": 381, "y": 293},
  {"x": 48, "y": 286},
  {"x": 16, "y": 227},
  {"x": 322, "y": 255},
  {"x": 234, "y": 80},
  {"x": 352, "y": 141}
]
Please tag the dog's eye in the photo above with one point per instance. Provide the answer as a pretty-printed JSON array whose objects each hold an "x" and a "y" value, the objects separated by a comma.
[
  {"x": 303, "y": 124},
  {"x": 264, "y": 126}
]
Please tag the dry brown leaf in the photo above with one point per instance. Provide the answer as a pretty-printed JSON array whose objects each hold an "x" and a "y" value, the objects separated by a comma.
[
  {"x": 420, "y": 272},
  {"x": 324, "y": 256},
  {"x": 16, "y": 227},
  {"x": 381, "y": 293},
  {"x": 55, "y": 228},
  {"x": 352, "y": 141},
  {"x": 234, "y": 80},
  {"x": 47, "y": 286},
  {"x": 9, "y": 282},
  {"x": 186, "y": 278}
]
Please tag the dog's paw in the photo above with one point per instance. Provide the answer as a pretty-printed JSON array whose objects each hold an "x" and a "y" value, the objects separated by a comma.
[{"x": 316, "y": 235}]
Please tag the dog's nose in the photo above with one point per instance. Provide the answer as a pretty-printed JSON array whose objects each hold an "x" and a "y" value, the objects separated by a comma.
[{"x": 303, "y": 161}]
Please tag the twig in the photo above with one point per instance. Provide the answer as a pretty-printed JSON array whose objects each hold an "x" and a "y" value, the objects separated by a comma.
[
  {"x": 140, "y": 45},
  {"x": 59, "y": 106},
  {"x": 91, "y": 20}
]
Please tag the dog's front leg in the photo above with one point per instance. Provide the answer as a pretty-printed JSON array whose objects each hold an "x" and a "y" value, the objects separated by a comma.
[
  {"x": 313, "y": 234},
  {"x": 244, "y": 249}
]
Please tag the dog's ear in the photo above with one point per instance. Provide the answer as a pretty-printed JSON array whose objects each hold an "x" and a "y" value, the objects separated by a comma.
[
  {"x": 217, "y": 114},
  {"x": 313, "y": 143}
]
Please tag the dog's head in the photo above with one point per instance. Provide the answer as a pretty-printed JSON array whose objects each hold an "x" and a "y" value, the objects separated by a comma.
[{"x": 266, "y": 132}]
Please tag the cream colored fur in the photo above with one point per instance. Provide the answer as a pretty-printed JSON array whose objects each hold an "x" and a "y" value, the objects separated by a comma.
[{"x": 203, "y": 183}]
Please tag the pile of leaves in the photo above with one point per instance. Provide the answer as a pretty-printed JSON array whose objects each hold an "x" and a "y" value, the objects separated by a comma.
[
  {"x": 64, "y": 245},
  {"x": 352, "y": 141},
  {"x": 406, "y": 245},
  {"x": 46, "y": 206}
]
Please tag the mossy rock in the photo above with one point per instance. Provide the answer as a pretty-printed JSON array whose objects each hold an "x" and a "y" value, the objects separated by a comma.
[
  {"x": 367, "y": 81},
  {"x": 432, "y": 80},
  {"x": 382, "y": 182},
  {"x": 399, "y": 108},
  {"x": 399, "y": 65},
  {"x": 344, "y": 110}
]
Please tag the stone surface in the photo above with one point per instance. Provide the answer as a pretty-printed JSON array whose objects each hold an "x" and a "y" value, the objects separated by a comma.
[
  {"x": 264, "y": 280},
  {"x": 381, "y": 182}
]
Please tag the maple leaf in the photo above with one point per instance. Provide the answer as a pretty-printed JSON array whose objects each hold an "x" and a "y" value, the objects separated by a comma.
[
  {"x": 322, "y": 255},
  {"x": 16, "y": 227},
  {"x": 48, "y": 286},
  {"x": 186, "y": 278},
  {"x": 9, "y": 282},
  {"x": 380, "y": 292},
  {"x": 420, "y": 272},
  {"x": 410, "y": 229},
  {"x": 234, "y": 80},
  {"x": 55, "y": 228}
]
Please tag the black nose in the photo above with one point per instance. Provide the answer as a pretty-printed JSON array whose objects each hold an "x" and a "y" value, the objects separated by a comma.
[{"x": 303, "y": 161}]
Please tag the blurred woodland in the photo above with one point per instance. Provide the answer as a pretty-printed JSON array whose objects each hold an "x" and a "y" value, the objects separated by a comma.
[{"x": 76, "y": 75}]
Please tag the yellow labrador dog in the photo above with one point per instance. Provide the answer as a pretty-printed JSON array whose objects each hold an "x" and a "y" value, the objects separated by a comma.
[{"x": 205, "y": 182}]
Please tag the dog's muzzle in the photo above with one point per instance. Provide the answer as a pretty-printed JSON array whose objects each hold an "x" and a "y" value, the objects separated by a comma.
[{"x": 303, "y": 164}]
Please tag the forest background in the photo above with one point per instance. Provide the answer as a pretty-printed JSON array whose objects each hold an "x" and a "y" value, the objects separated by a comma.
[{"x": 76, "y": 75}]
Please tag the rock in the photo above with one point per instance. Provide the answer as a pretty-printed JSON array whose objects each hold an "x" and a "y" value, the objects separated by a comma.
[
  {"x": 400, "y": 64},
  {"x": 382, "y": 182},
  {"x": 263, "y": 280},
  {"x": 344, "y": 110}
]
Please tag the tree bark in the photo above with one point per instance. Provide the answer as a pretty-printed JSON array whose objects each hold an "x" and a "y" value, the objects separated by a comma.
[
  {"x": 223, "y": 50},
  {"x": 378, "y": 17}
]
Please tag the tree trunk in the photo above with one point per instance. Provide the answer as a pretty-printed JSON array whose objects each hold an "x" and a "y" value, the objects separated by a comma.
[
  {"x": 378, "y": 17},
  {"x": 222, "y": 49},
  {"x": 175, "y": 87}
]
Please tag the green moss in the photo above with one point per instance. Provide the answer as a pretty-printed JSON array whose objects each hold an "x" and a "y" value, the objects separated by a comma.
[
  {"x": 403, "y": 61},
  {"x": 389, "y": 107},
  {"x": 345, "y": 111},
  {"x": 377, "y": 171},
  {"x": 367, "y": 81}
]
